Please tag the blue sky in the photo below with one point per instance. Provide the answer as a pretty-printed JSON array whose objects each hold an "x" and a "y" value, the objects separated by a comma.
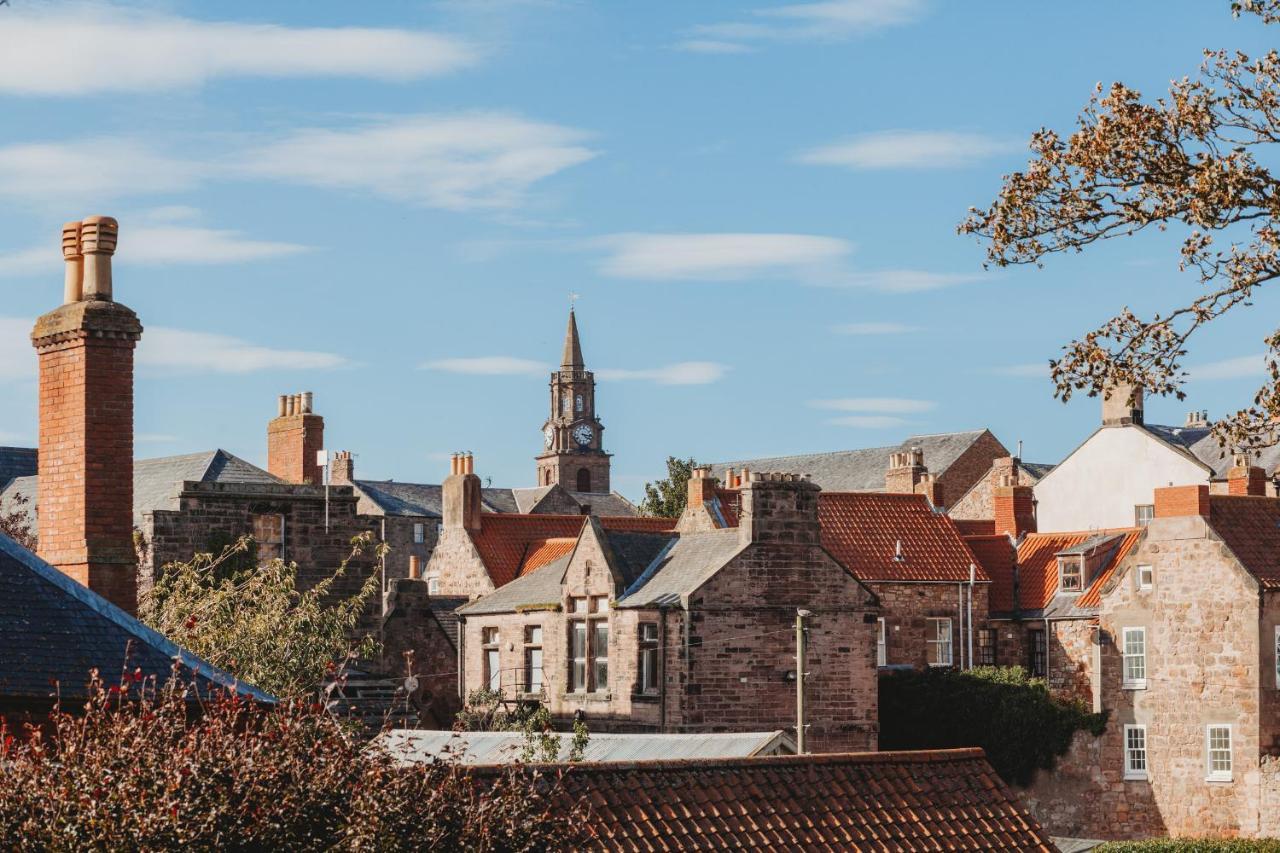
[{"x": 388, "y": 204}]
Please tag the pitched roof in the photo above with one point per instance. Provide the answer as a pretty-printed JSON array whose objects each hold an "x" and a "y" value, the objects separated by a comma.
[
  {"x": 505, "y": 540},
  {"x": 863, "y": 469},
  {"x": 926, "y": 800},
  {"x": 1038, "y": 567},
  {"x": 538, "y": 588},
  {"x": 53, "y": 631},
  {"x": 997, "y": 557},
  {"x": 424, "y": 499},
  {"x": 1250, "y": 527},
  {"x": 571, "y": 357},
  {"x": 975, "y": 526},
  {"x": 610, "y": 504},
  {"x": 863, "y": 531},
  {"x": 685, "y": 564},
  {"x": 16, "y": 462},
  {"x": 443, "y": 608},
  {"x": 632, "y": 552}
]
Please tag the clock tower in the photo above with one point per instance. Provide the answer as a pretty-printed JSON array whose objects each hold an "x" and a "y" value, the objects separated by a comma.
[{"x": 572, "y": 438}]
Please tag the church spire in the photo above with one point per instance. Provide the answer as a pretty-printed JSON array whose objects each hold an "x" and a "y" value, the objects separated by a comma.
[{"x": 572, "y": 359}]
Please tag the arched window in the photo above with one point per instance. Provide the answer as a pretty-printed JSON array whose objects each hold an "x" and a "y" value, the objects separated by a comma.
[
  {"x": 579, "y": 402},
  {"x": 567, "y": 403},
  {"x": 584, "y": 480}
]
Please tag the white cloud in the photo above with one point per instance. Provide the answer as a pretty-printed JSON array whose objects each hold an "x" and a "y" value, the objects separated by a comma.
[
  {"x": 93, "y": 170},
  {"x": 882, "y": 405},
  {"x": 1247, "y": 366},
  {"x": 833, "y": 20},
  {"x": 906, "y": 281},
  {"x": 868, "y": 421},
  {"x": 489, "y": 365},
  {"x": 68, "y": 49},
  {"x": 720, "y": 257},
  {"x": 183, "y": 351},
  {"x": 474, "y": 160},
  {"x": 711, "y": 46},
  {"x": 861, "y": 329},
  {"x": 908, "y": 149},
  {"x": 681, "y": 373},
  {"x": 17, "y": 358}
]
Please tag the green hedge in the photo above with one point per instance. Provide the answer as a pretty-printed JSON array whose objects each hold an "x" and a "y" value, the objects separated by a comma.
[
  {"x": 1012, "y": 717},
  {"x": 1192, "y": 845}
]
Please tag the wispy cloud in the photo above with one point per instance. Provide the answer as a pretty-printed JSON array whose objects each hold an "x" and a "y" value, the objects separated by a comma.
[
  {"x": 868, "y": 329},
  {"x": 721, "y": 257},
  {"x": 681, "y": 373},
  {"x": 905, "y": 281},
  {"x": 165, "y": 350},
  {"x": 455, "y": 162},
  {"x": 711, "y": 46},
  {"x": 488, "y": 365},
  {"x": 832, "y": 20},
  {"x": 70, "y": 49},
  {"x": 1242, "y": 367},
  {"x": 880, "y": 405},
  {"x": 909, "y": 149}
]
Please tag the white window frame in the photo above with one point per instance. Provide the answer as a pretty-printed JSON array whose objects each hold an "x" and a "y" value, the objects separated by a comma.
[
  {"x": 1144, "y": 577},
  {"x": 433, "y": 584},
  {"x": 1131, "y": 682},
  {"x": 935, "y": 640},
  {"x": 1138, "y": 520},
  {"x": 1077, "y": 562},
  {"x": 1132, "y": 771},
  {"x": 882, "y": 647},
  {"x": 1220, "y": 775},
  {"x": 419, "y": 532}
]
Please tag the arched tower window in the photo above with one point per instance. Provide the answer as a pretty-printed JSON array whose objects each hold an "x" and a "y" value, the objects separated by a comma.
[
  {"x": 579, "y": 402},
  {"x": 584, "y": 479}
]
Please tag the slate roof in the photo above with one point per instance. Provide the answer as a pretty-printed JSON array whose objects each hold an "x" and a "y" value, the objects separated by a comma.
[
  {"x": 16, "y": 462},
  {"x": 1038, "y": 569},
  {"x": 417, "y": 746},
  {"x": 539, "y": 588},
  {"x": 157, "y": 482},
  {"x": 925, "y": 800},
  {"x": 860, "y": 470},
  {"x": 53, "y": 631},
  {"x": 610, "y": 504},
  {"x": 679, "y": 569},
  {"x": 424, "y": 499},
  {"x": 443, "y": 608},
  {"x": 1250, "y": 528},
  {"x": 997, "y": 557},
  {"x": 631, "y": 553},
  {"x": 863, "y": 531},
  {"x": 1035, "y": 469}
]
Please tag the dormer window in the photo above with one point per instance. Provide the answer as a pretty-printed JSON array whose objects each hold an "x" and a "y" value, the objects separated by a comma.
[{"x": 1071, "y": 573}]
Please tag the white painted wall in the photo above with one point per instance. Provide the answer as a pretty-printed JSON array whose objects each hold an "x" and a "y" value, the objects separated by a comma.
[{"x": 1115, "y": 470}]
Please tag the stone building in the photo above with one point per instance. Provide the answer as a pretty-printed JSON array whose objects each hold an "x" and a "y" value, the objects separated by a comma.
[
  {"x": 573, "y": 437},
  {"x": 979, "y": 502},
  {"x": 1188, "y": 635},
  {"x": 691, "y": 630}
]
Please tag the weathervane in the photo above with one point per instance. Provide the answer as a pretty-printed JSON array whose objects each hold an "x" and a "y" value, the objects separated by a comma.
[{"x": 573, "y": 297}]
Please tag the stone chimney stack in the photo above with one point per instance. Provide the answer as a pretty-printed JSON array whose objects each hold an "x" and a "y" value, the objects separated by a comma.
[
  {"x": 905, "y": 472},
  {"x": 1246, "y": 479},
  {"x": 342, "y": 470},
  {"x": 780, "y": 509},
  {"x": 461, "y": 494},
  {"x": 702, "y": 486},
  {"x": 1198, "y": 419},
  {"x": 85, "y": 350},
  {"x": 1015, "y": 507},
  {"x": 1122, "y": 405},
  {"x": 294, "y": 437}
]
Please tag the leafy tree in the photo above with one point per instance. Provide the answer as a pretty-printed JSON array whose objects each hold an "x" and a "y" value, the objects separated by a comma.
[
  {"x": 137, "y": 769},
  {"x": 15, "y": 522},
  {"x": 667, "y": 498},
  {"x": 256, "y": 623},
  {"x": 485, "y": 711},
  {"x": 1199, "y": 161}
]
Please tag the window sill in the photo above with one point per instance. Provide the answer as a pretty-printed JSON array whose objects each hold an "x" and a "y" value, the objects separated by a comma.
[
  {"x": 1220, "y": 780},
  {"x": 586, "y": 697},
  {"x": 1135, "y": 777},
  {"x": 645, "y": 697},
  {"x": 1134, "y": 685}
]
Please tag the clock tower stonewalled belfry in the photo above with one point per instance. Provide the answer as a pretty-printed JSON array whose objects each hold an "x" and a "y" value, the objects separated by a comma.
[{"x": 573, "y": 449}]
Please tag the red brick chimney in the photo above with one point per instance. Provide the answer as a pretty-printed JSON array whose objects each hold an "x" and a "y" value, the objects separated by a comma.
[
  {"x": 294, "y": 438},
  {"x": 85, "y": 466},
  {"x": 342, "y": 470},
  {"x": 1246, "y": 479},
  {"x": 1174, "y": 501},
  {"x": 1015, "y": 508},
  {"x": 702, "y": 486},
  {"x": 460, "y": 494}
]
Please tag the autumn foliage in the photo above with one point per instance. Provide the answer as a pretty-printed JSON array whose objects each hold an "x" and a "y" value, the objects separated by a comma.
[{"x": 147, "y": 768}]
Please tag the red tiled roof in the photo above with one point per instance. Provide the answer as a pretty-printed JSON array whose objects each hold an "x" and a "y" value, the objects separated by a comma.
[
  {"x": 975, "y": 526},
  {"x": 862, "y": 529},
  {"x": 510, "y": 543},
  {"x": 543, "y": 551},
  {"x": 1250, "y": 527},
  {"x": 1038, "y": 565},
  {"x": 996, "y": 554},
  {"x": 926, "y": 800}
]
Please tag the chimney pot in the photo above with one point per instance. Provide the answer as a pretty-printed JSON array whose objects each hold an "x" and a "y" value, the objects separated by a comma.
[
  {"x": 306, "y": 402},
  {"x": 281, "y": 404},
  {"x": 73, "y": 283},
  {"x": 98, "y": 237}
]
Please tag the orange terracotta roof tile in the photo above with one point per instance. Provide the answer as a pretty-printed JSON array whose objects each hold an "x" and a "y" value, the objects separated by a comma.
[
  {"x": 1250, "y": 527},
  {"x": 997, "y": 556},
  {"x": 1038, "y": 565},
  {"x": 862, "y": 530},
  {"x": 543, "y": 551},
  {"x": 513, "y": 544},
  {"x": 926, "y": 800}
]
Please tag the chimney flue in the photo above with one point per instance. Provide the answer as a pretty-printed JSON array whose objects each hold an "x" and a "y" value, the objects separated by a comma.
[
  {"x": 98, "y": 235},
  {"x": 73, "y": 285},
  {"x": 306, "y": 402}
]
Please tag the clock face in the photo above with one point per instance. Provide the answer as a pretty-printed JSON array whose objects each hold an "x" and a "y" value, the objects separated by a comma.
[
  {"x": 582, "y": 434},
  {"x": 548, "y": 436}
]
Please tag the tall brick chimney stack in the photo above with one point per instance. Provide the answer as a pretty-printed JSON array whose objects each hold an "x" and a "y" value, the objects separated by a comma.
[
  {"x": 779, "y": 509},
  {"x": 905, "y": 472},
  {"x": 1015, "y": 507},
  {"x": 342, "y": 470},
  {"x": 460, "y": 494},
  {"x": 702, "y": 486},
  {"x": 1246, "y": 479},
  {"x": 85, "y": 467},
  {"x": 1122, "y": 405},
  {"x": 294, "y": 437}
]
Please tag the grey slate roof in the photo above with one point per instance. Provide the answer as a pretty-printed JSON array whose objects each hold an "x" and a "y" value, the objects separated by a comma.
[
  {"x": 424, "y": 499},
  {"x": 527, "y": 499},
  {"x": 539, "y": 587},
  {"x": 16, "y": 462},
  {"x": 633, "y": 552},
  {"x": 1036, "y": 469},
  {"x": 418, "y": 746},
  {"x": 609, "y": 504},
  {"x": 157, "y": 482},
  {"x": 54, "y": 631},
  {"x": 442, "y": 608},
  {"x": 861, "y": 470},
  {"x": 689, "y": 561}
]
